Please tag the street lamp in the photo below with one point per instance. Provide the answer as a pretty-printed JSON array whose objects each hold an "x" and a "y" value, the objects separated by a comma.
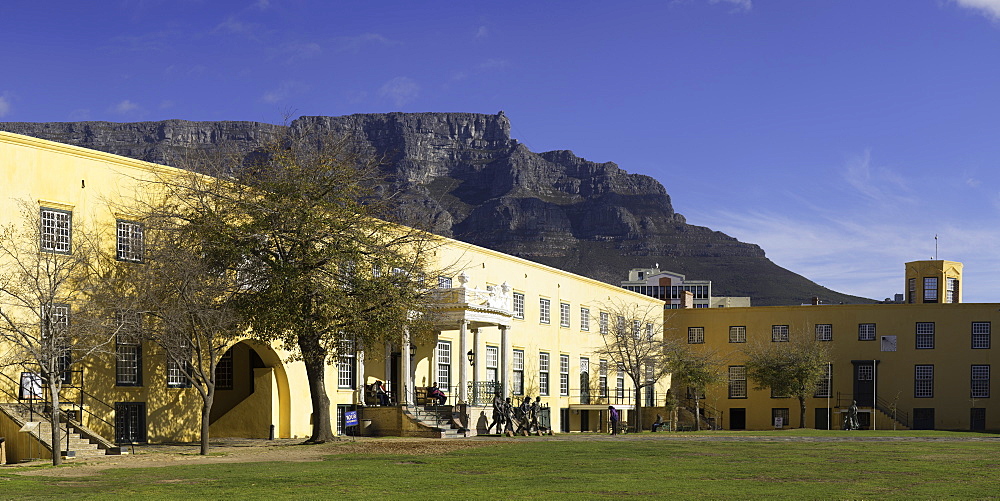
[
  {"x": 413, "y": 351},
  {"x": 472, "y": 357}
]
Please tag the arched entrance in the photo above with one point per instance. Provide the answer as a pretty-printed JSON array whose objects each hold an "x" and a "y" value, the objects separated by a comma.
[{"x": 251, "y": 395}]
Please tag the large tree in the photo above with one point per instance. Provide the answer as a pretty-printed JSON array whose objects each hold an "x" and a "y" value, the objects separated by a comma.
[
  {"x": 48, "y": 322},
  {"x": 304, "y": 226},
  {"x": 632, "y": 336},
  {"x": 793, "y": 368}
]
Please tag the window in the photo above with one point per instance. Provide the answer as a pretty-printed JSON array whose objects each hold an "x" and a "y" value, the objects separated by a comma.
[
  {"x": 346, "y": 366},
  {"x": 543, "y": 373},
  {"x": 778, "y": 394},
  {"x": 445, "y": 283},
  {"x": 584, "y": 380},
  {"x": 224, "y": 371},
  {"x": 636, "y": 329},
  {"x": 492, "y": 363},
  {"x": 649, "y": 332},
  {"x": 604, "y": 322},
  {"x": 925, "y": 335},
  {"x": 564, "y": 374},
  {"x": 779, "y": 417},
  {"x": 130, "y": 241},
  {"x": 737, "y": 381},
  {"x": 824, "y": 332},
  {"x": 737, "y": 334},
  {"x": 543, "y": 310},
  {"x": 911, "y": 290},
  {"x": 518, "y": 377},
  {"x": 602, "y": 381},
  {"x": 128, "y": 349},
  {"x": 518, "y": 305},
  {"x": 56, "y": 230},
  {"x": 696, "y": 335},
  {"x": 930, "y": 290},
  {"x": 980, "y": 381},
  {"x": 444, "y": 365},
  {"x": 564, "y": 314},
  {"x": 866, "y": 332},
  {"x": 825, "y": 385},
  {"x": 951, "y": 290},
  {"x": 923, "y": 381},
  {"x": 981, "y": 335},
  {"x": 779, "y": 333},
  {"x": 177, "y": 372},
  {"x": 584, "y": 319}
]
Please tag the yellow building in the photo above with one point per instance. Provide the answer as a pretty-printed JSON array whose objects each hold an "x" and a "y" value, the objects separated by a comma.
[
  {"x": 504, "y": 321},
  {"x": 925, "y": 365}
]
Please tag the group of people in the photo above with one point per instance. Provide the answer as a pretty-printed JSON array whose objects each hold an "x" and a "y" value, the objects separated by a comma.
[{"x": 511, "y": 420}]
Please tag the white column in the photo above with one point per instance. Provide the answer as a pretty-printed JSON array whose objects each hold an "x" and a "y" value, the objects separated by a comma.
[
  {"x": 463, "y": 371},
  {"x": 506, "y": 358},
  {"x": 475, "y": 361},
  {"x": 405, "y": 372},
  {"x": 359, "y": 377}
]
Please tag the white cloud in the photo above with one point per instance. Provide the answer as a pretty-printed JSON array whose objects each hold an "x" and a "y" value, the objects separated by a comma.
[
  {"x": 989, "y": 8},
  {"x": 285, "y": 90},
  {"x": 4, "y": 105},
  {"x": 300, "y": 51},
  {"x": 738, "y": 5},
  {"x": 354, "y": 44},
  {"x": 125, "y": 107},
  {"x": 399, "y": 90},
  {"x": 262, "y": 4},
  {"x": 166, "y": 104},
  {"x": 236, "y": 27},
  {"x": 855, "y": 236},
  {"x": 493, "y": 64},
  {"x": 482, "y": 32}
]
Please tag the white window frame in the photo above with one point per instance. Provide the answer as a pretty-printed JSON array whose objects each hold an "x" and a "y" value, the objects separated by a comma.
[
  {"x": 129, "y": 244},
  {"x": 824, "y": 388},
  {"x": 492, "y": 363},
  {"x": 981, "y": 335},
  {"x": 519, "y": 305},
  {"x": 866, "y": 332},
  {"x": 930, "y": 289},
  {"x": 737, "y": 334},
  {"x": 564, "y": 314},
  {"x": 444, "y": 366},
  {"x": 563, "y": 374},
  {"x": 696, "y": 335},
  {"x": 605, "y": 318},
  {"x": 56, "y": 230},
  {"x": 543, "y": 373},
  {"x": 224, "y": 371},
  {"x": 980, "y": 385},
  {"x": 737, "y": 381},
  {"x": 544, "y": 310},
  {"x": 602, "y": 381},
  {"x": 128, "y": 349},
  {"x": 923, "y": 381},
  {"x": 517, "y": 378},
  {"x": 925, "y": 335},
  {"x": 584, "y": 318},
  {"x": 347, "y": 365},
  {"x": 824, "y": 332},
  {"x": 779, "y": 333}
]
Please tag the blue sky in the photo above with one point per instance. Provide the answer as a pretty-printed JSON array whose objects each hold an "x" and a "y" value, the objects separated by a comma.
[{"x": 840, "y": 135}]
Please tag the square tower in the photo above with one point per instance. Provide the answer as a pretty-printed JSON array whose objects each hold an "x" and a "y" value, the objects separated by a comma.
[{"x": 934, "y": 281}]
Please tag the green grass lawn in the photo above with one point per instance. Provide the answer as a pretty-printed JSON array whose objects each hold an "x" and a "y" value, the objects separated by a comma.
[{"x": 531, "y": 468}]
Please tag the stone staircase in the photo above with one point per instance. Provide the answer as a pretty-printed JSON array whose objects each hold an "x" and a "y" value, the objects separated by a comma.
[
  {"x": 83, "y": 442},
  {"x": 440, "y": 418}
]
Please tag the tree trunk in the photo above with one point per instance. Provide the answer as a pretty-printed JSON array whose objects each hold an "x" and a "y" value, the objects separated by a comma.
[
  {"x": 54, "y": 420},
  {"x": 314, "y": 358},
  {"x": 802, "y": 412},
  {"x": 697, "y": 412},
  {"x": 638, "y": 409},
  {"x": 206, "y": 415}
]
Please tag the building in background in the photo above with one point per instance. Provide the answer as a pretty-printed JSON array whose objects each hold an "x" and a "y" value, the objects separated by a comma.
[
  {"x": 925, "y": 364},
  {"x": 669, "y": 287}
]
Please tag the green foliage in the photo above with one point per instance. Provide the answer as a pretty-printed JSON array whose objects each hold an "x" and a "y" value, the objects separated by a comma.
[
  {"x": 536, "y": 469},
  {"x": 794, "y": 368}
]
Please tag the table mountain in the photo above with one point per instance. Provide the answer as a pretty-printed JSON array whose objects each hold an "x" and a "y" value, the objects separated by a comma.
[{"x": 463, "y": 176}]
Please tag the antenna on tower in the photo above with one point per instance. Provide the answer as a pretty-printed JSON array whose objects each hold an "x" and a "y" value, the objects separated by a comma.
[{"x": 935, "y": 247}]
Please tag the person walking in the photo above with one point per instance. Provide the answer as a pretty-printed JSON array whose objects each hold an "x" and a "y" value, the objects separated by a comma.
[{"x": 613, "y": 416}]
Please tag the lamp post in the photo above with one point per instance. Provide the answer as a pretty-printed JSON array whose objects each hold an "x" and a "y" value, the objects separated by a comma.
[{"x": 472, "y": 357}]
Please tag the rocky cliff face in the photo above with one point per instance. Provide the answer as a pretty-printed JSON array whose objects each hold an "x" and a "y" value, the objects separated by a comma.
[{"x": 462, "y": 175}]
